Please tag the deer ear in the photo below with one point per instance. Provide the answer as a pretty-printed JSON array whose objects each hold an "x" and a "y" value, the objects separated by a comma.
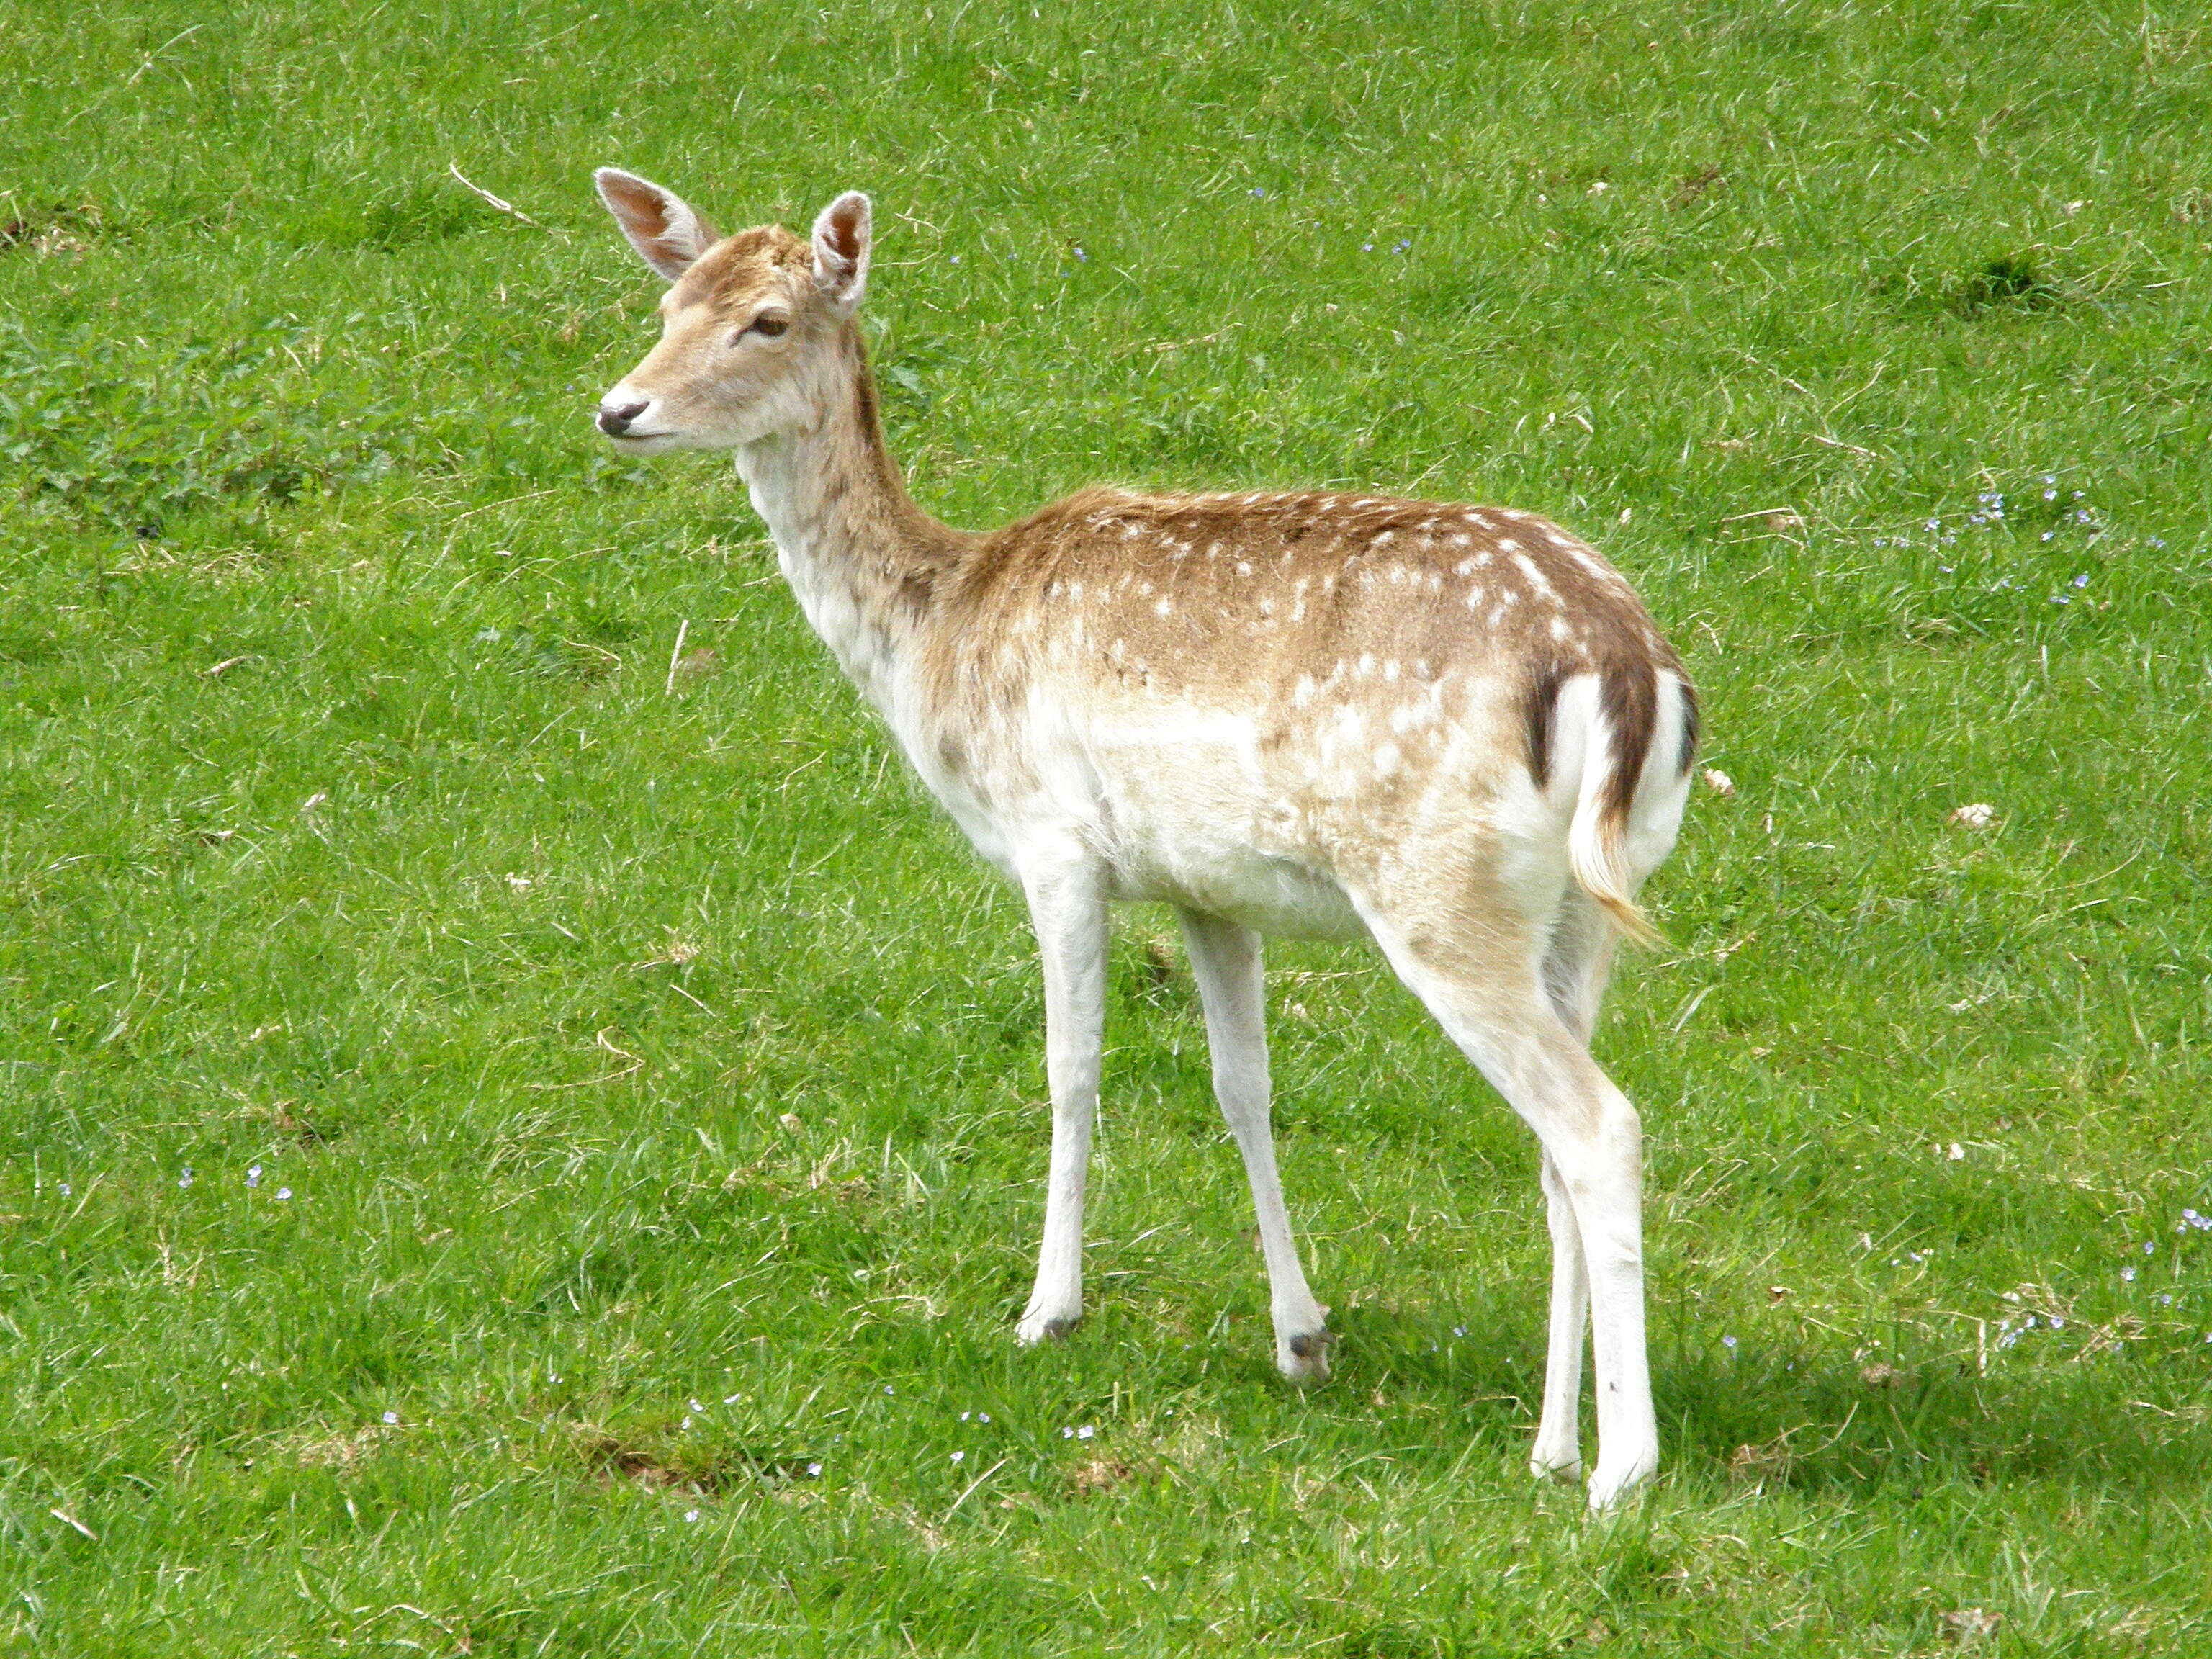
[
  {"x": 841, "y": 238},
  {"x": 667, "y": 234}
]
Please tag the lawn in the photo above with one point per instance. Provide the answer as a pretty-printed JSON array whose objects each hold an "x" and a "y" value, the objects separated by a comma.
[{"x": 522, "y": 1139}]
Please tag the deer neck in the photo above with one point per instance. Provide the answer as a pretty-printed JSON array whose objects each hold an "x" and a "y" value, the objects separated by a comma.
[{"x": 866, "y": 564}]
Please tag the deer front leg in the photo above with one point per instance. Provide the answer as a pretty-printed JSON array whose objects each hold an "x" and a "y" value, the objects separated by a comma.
[
  {"x": 1068, "y": 909},
  {"x": 1559, "y": 1440},
  {"x": 1226, "y": 960}
]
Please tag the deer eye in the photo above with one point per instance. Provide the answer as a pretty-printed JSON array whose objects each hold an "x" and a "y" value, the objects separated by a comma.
[{"x": 770, "y": 325}]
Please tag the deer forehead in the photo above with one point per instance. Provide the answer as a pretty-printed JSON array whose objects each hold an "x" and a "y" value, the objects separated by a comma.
[{"x": 741, "y": 273}]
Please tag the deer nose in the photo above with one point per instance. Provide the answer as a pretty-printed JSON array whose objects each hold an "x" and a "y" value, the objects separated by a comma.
[{"x": 615, "y": 418}]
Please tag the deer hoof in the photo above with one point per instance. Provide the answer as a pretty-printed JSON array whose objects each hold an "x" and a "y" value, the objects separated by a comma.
[
  {"x": 1303, "y": 1358},
  {"x": 1041, "y": 1328}
]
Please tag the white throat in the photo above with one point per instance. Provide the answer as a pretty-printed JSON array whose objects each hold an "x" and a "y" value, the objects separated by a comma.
[{"x": 820, "y": 497}]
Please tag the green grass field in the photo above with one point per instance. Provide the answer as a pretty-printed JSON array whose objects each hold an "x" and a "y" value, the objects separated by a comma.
[{"x": 518, "y": 1145}]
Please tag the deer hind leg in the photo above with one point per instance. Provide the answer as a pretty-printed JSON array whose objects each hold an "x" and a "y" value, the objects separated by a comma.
[
  {"x": 1489, "y": 995},
  {"x": 1226, "y": 960},
  {"x": 1576, "y": 965},
  {"x": 1068, "y": 909}
]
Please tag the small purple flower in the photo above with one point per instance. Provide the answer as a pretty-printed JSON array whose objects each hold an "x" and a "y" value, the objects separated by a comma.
[
  {"x": 1086, "y": 1431},
  {"x": 392, "y": 1417},
  {"x": 64, "y": 1188},
  {"x": 690, "y": 1515},
  {"x": 1084, "y": 257},
  {"x": 813, "y": 1471},
  {"x": 1402, "y": 246},
  {"x": 283, "y": 1192},
  {"x": 1258, "y": 191},
  {"x": 2127, "y": 1275},
  {"x": 186, "y": 1179},
  {"x": 254, "y": 1176},
  {"x": 2056, "y": 1323},
  {"x": 1729, "y": 1342},
  {"x": 959, "y": 1457},
  {"x": 2050, "y": 494}
]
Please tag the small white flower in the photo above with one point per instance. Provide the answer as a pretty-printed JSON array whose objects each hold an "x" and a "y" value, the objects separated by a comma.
[
  {"x": 254, "y": 1176},
  {"x": 1067, "y": 1433},
  {"x": 982, "y": 1417},
  {"x": 813, "y": 1470},
  {"x": 186, "y": 1179},
  {"x": 1719, "y": 782},
  {"x": 1085, "y": 1431},
  {"x": 959, "y": 1457},
  {"x": 2127, "y": 1275},
  {"x": 1729, "y": 1342},
  {"x": 1975, "y": 814},
  {"x": 1957, "y": 1155},
  {"x": 64, "y": 1188},
  {"x": 697, "y": 1407},
  {"x": 283, "y": 1192},
  {"x": 392, "y": 1417},
  {"x": 690, "y": 1515}
]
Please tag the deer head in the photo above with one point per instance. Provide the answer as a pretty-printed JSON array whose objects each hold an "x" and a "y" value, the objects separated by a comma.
[{"x": 752, "y": 327}]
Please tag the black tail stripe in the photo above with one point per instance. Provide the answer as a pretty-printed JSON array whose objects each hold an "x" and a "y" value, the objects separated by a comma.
[{"x": 1629, "y": 695}]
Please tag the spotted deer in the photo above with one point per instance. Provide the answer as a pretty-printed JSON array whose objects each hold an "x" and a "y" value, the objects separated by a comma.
[{"x": 1453, "y": 730}]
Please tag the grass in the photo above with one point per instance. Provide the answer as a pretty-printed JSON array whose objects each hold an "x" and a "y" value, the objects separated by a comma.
[{"x": 609, "y": 1035}]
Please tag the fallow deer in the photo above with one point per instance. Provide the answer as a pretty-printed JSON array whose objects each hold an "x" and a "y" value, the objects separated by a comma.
[{"x": 1454, "y": 730}]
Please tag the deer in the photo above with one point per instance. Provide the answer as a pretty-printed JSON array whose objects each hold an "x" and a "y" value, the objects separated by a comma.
[{"x": 1454, "y": 731}]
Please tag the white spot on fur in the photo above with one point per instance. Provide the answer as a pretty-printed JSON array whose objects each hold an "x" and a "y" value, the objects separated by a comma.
[{"x": 1535, "y": 576}]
